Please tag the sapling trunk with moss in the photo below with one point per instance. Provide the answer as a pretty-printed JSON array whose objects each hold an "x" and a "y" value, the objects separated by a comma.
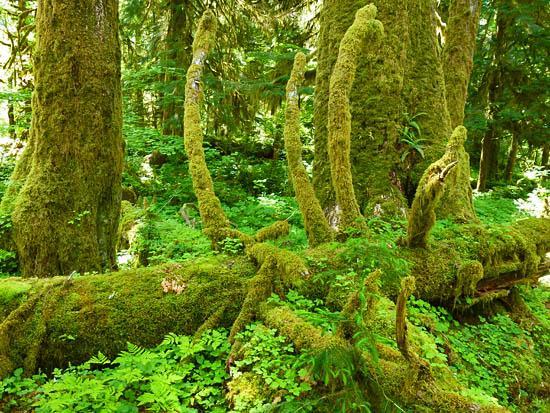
[
  {"x": 68, "y": 181},
  {"x": 213, "y": 217},
  {"x": 364, "y": 29},
  {"x": 317, "y": 227}
]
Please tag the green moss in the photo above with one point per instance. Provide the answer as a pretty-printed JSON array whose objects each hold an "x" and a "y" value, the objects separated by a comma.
[
  {"x": 260, "y": 289},
  {"x": 274, "y": 231},
  {"x": 364, "y": 28},
  {"x": 213, "y": 217},
  {"x": 304, "y": 335},
  {"x": 429, "y": 192},
  {"x": 457, "y": 200},
  {"x": 509, "y": 254},
  {"x": 316, "y": 226},
  {"x": 468, "y": 275},
  {"x": 291, "y": 267},
  {"x": 129, "y": 219},
  {"x": 12, "y": 292},
  {"x": 458, "y": 55},
  {"x": 65, "y": 320},
  {"x": 65, "y": 216},
  {"x": 245, "y": 391},
  {"x": 407, "y": 288}
]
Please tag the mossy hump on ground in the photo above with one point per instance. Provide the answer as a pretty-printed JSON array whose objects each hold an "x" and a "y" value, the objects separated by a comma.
[{"x": 71, "y": 320}]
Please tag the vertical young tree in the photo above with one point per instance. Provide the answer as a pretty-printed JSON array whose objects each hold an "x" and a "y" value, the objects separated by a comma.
[{"x": 65, "y": 216}]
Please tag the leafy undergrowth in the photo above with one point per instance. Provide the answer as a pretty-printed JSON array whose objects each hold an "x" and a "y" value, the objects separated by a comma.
[
  {"x": 179, "y": 375},
  {"x": 504, "y": 359}
]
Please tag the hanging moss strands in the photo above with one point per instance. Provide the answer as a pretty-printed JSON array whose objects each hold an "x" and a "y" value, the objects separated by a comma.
[
  {"x": 457, "y": 201},
  {"x": 213, "y": 217},
  {"x": 317, "y": 228},
  {"x": 364, "y": 28},
  {"x": 429, "y": 192}
]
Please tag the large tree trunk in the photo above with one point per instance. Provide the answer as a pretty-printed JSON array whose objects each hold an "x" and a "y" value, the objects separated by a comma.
[
  {"x": 405, "y": 77},
  {"x": 66, "y": 214},
  {"x": 488, "y": 165},
  {"x": 458, "y": 56},
  {"x": 512, "y": 157},
  {"x": 177, "y": 58}
]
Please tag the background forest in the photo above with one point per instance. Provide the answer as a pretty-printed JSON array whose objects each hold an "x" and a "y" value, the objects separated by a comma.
[{"x": 243, "y": 218}]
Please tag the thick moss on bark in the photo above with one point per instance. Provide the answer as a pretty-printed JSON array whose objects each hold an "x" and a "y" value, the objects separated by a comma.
[
  {"x": 65, "y": 217},
  {"x": 317, "y": 227},
  {"x": 473, "y": 261},
  {"x": 430, "y": 189},
  {"x": 406, "y": 77},
  {"x": 401, "y": 329},
  {"x": 457, "y": 201},
  {"x": 364, "y": 28},
  {"x": 458, "y": 55},
  {"x": 60, "y": 320},
  {"x": 213, "y": 217}
]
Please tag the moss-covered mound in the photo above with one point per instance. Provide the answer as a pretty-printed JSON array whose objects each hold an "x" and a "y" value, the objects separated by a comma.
[{"x": 48, "y": 323}]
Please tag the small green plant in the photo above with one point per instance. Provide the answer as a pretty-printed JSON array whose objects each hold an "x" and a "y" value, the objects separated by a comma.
[
  {"x": 268, "y": 360},
  {"x": 8, "y": 263},
  {"x": 79, "y": 217},
  {"x": 411, "y": 136},
  {"x": 179, "y": 375},
  {"x": 491, "y": 358},
  {"x": 231, "y": 246}
]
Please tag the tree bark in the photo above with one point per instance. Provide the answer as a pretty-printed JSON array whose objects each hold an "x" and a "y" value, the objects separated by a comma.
[
  {"x": 177, "y": 57},
  {"x": 512, "y": 157},
  {"x": 488, "y": 165},
  {"x": 545, "y": 154},
  {"x": 65, "y": 217},
  {"x": 406, "y": 76},
  {"x": 458, "y": 55}
]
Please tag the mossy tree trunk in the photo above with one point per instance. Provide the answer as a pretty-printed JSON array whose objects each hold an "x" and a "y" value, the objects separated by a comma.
[
  {"x": 512, "y": 157},
  {"x": 494, "y": 89},
  {"x": 65, "y": 215},
  {"x": 316, "y": 226},
  {"x": 177, "y": 57},
  {"x": 460, "y": 43},
  {"x": 406, "y": 79},
  {"x": 365, "y": 29}
]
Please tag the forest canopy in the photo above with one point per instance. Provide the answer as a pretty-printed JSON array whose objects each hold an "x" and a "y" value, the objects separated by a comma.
[{"x": 274, "y": 206}]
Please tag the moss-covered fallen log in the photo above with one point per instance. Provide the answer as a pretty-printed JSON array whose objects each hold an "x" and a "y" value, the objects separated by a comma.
[
  {"x": 49, "y": 323},
  {"x": 468, "y": 264}
]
